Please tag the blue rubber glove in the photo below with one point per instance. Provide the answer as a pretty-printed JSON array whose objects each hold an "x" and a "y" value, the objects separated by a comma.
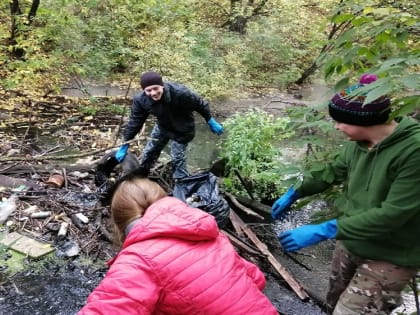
[
  {"x": 215, "y": 127},
  {"x": 307, "y": 235},
  {"x": 121, "y": 153},
  {"x": 281, "y": 205}
]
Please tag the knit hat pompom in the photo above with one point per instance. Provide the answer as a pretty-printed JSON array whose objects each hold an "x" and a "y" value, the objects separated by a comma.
[
  {"x": 367, "y": 78},
  {"x": 346, "y": 107},
  {"x": 150, "y": 78}
]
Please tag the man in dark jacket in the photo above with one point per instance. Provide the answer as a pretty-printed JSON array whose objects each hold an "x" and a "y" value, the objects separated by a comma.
[{"x": 174, "y": 106}]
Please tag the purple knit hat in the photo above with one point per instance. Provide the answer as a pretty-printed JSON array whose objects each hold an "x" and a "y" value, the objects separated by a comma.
[{"x": 346, "y": 107}]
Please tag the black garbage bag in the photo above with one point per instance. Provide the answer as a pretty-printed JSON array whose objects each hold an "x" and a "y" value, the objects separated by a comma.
[
  {"x": 202, "y": 191},
  {"x": 107, "y": 165}
]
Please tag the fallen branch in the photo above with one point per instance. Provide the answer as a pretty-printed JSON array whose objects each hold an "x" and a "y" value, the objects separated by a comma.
[
  {"x": 61, "y": 157},
  {"x": 242, "y": 207},
  {"x": 296, "y": 287},
  {"x": 285, "y": 101},
  {"x": 47, "y": 168},
  {"x": 241, "y": 244},
  {"x": 244, "y": 184},
  {"x": 254, "y": 205},
  {"x": 236, "y": 224}
]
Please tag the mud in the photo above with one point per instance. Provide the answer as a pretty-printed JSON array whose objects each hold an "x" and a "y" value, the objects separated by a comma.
[{"x": 54, "y": 287}]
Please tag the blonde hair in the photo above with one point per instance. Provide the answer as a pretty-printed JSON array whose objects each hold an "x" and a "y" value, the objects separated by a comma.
[{"x": 129, "y": 202}]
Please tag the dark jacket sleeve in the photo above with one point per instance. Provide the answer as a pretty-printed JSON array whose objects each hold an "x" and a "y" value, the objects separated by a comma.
[
  {"x": 139, "y": 114},
  {"x": 198, "y": 104}
]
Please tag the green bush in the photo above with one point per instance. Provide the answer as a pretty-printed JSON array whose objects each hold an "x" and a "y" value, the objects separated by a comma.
[{"x": 251, "y": 149}]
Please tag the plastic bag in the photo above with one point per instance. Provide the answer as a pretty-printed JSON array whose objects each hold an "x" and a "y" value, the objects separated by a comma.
[
  {"x": 202, "y": 191},
  {"x": 103, "y": 171},
  {"x": 7, "y": 207}
]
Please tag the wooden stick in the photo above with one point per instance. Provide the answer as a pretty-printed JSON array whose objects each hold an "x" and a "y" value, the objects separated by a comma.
[
  {"x": 254, "y": 205},
  {"x": 244, "y": 184},
  {"x": 236, "y": 224},
  {"x": 242, "y": 207},
  {"x": 241, "y": 244},
  {"x": 61, "y": 157},
  {"x": 296, "y": 287}
]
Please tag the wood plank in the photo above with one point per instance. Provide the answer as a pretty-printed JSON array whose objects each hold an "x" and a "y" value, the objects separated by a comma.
[
  {"x": 235, "y": 223},
  {"x": 296, "y": 287},
  {"x": 241, "y": 244},
  {"x": 26, "y": 245}
]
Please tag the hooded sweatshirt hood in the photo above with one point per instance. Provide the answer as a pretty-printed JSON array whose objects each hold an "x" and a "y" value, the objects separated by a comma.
[
  {"x": 172, "y": 218},
  {"x": 405, "y": 129},
  {"x": 175, "y": 261}
]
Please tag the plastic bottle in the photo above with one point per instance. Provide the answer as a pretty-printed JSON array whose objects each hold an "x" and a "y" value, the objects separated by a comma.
[{"x": 7, "y": 207}]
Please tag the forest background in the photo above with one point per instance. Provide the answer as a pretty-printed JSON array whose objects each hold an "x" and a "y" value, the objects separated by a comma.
[{"x": 219, "y": 48}]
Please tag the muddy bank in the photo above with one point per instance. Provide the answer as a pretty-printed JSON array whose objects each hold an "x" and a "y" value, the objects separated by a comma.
[{"x": 54, "y": 287}]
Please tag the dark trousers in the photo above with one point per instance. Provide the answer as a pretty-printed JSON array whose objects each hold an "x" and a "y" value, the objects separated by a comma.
[{"x": 154, "y": 147}]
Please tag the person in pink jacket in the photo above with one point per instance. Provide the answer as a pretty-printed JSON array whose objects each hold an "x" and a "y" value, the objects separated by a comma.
[{"x": 174, "y": 260}]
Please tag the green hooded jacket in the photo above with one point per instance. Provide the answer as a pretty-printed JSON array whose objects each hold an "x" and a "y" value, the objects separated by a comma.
[{"x": 381, "y": 201}]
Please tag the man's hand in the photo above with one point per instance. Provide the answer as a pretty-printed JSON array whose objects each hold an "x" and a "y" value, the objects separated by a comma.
[
  {"x": 215, "y": 127},
  {"x": 281, "y": 205},
  {"x": 121, "y": 153},
  {"x": 307, "y": 235}
]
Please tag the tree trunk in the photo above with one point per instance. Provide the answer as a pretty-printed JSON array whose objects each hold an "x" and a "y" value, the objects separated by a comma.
[
  {"x": 307, "y": 73},
  {"x": 32, "y": 12},
  {"x": 238, "y": 24},
  {"x": 336, "y": 29},
  {"x": 241, "y": 13},
  {"x": 14, "y": 16}
]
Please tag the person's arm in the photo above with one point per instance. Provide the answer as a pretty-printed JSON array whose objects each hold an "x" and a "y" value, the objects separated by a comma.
[
  {"x": 307, "y": 235},
  {"x": 201, "y": 106},
  {"x": 333, "y": 173},
  {"x": 197, "y": 104},
  {"x": 128, "y": 288},
  {"x": 313, "y": 183},
  {"x": 252, "y": 270},
  {"x": 137, "y": 118},
  {"x": 282, "y": 205},
  {"x": 255, "y": 274}
]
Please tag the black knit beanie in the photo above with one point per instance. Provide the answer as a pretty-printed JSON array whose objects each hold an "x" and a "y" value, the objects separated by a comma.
[
  {"x": 345, "y": 107},
  {"x": 150, "y": 78}
]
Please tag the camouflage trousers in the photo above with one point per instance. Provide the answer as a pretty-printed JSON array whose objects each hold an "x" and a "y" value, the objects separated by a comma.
[
  {"x": 154, "y": 147},
  {"x": 361, "y": 286}
]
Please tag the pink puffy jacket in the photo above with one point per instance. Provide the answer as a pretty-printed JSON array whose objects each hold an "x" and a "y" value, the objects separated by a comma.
[{"x": 175, "y": 261}]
